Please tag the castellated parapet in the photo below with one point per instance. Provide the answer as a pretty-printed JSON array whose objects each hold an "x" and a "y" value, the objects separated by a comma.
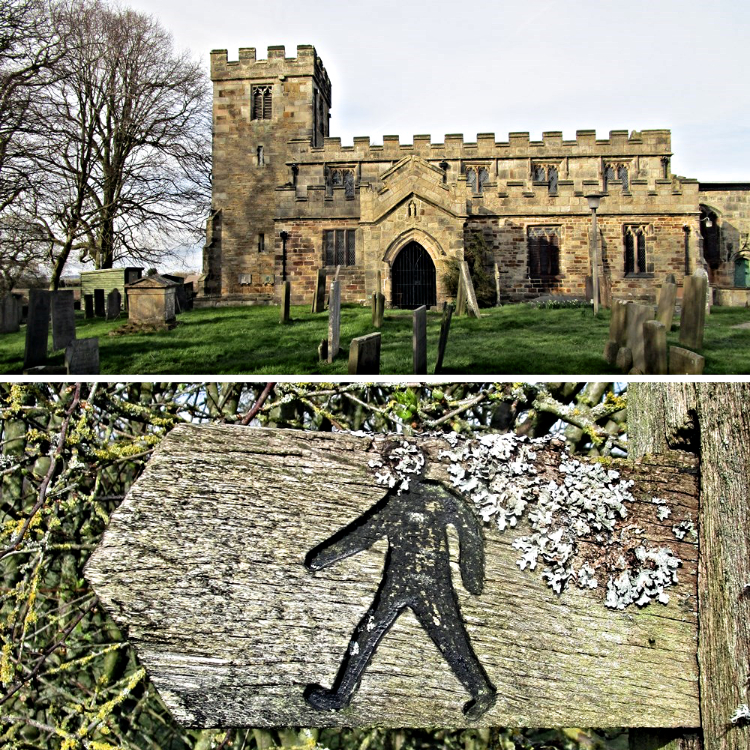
[{"x": 288, "y": 199}]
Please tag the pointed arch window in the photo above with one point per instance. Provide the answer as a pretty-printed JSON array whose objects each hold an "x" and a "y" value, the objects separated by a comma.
[
  {"x": 476, "y": 178},
  {"x": 545, "y": 173},
  {"x": 544, "y": 251},
  {"x": 336, "y": 178},
  {"x": 636, "y": 259},
  {"x": 261, "y": 103},
  {"x": 614, "y": 173}
]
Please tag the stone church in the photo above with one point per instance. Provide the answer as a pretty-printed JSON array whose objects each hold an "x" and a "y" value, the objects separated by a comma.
[{"x": 289, "y": 199}]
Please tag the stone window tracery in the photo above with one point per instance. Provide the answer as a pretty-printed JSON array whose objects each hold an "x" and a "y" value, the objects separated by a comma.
[
  {"x": 543, "y": 244},
  {"x": 545, "y": 173},
  {"x": 339, "y": 177},
  {"x": 338, "y": 247},
  {"x": 635, "y": 249},
  {"x": 476, "y": 178},
  {"x": 616, "y": 172},
  {"x": 261, "y": 102}
]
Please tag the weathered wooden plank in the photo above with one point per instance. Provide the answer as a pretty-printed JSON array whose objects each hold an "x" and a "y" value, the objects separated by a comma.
[{"x": 204, "y": 562}]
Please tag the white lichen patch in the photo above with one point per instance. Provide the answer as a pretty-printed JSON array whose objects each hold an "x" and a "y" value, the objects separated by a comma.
[
  {"x": 741, "y": 715},
  {"x": 685, "y": 528},
  {"x": 398, "y": 466}
]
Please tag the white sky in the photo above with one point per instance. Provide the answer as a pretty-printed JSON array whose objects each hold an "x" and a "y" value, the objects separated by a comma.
[{"x": 443, "y": 66}]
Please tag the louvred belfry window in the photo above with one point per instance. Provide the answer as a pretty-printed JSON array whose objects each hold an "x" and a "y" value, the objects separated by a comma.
[
  {"x": 543, "y": 245},
  {"x": 261, "y": 97}
]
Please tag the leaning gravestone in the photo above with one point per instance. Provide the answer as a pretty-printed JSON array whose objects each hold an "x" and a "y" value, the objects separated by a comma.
[
  {"x": 319, "y": 295},
  {"x": 654, "y": 348},
  {"x": 419, "y": 340},
  {"x": 693, "y": 315},
  {"x": 684, "y": 362},
  {"x": 468, "y": 284},
  {"x": 37, "y": 328},
  {"x": 10, "y": 314},
  {"x": 460, "y": 298},
  {"x": 666, "y": 306},
  {"x": 114, "y": 304},
  {"x": 445, "y": 327},
  {"x": 636, "y": 316},
  {"x": 82, "y": 357},
  {"x": 334, "y": 320},
  {"x": 100, "y": 310},
  {"x": 380, "y": 580},
  {"x": 63, "y": 318},
  {"x": 364, "y": 355}
]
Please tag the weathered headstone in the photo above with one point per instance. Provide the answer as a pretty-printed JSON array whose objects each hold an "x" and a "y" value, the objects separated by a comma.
[
  {"x": 617, "y": 329},
  {"x": 624, "y": 360},
  {"x": 684, "y": 362},
  {"x": 419, "y": 340},
  {"x": 666, "y": 306},
  {"x": 364, "y": 355},
  {"x": 334, "y": 321},
  {"x": 353, "y": 559},
  {"x": 655, "y": 348},
  {"x": 100, "y": 310},
  {"x": 471, "y": 297},
  {"x": 286, "y": 292},
  {"x": 693, "y": 315},
  {"x": 636, "y": 316},
  {"x": 37, "y": 328},
  {"x": 460, "y": 298},
  {"x": 497, "y": 285},
  {"x": 319, "y": 295},
  {"x": 82, "y": 357},
  {"x": 62, "y": 306},
  {"x": 114, "y": 304},
  {"x": 445, "y": 327},
  {"x": 88, "y": 305},
  {"x": 374, "y": 309},
  {"x": 379, "y": 310},
  {"x": 10, "y": 314},
  {"x": 702, "y": 273},
  {"x": 323, "y": 350}
]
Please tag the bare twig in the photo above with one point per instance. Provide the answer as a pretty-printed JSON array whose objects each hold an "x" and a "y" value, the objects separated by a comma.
[{"x": 258, "y": 404}]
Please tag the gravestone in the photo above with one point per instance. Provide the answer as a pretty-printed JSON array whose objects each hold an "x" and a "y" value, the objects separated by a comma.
[
  {"x": 334, "y": 320},
  {"x": 82, "y": 357},
  {"x": 189, "y": 294},
  {"x": 617, "y": 330},
  {"x": 471, "y": 297},
  {"x": 319, "y": 296},
  {"x": 666, "y": 306},
  {"x": 10, "y": 314},
  {"x": 62, "y": 306},
  {"x": 364, "y": 355},
  {"x": 497, "y": 285},
  {"x": 624, "y": 360},
  {"x": 88, "y": 305},
  {"x": 684, "y": 362},
  {"x": 636, "y": 316},
  {"x": 419, "y": 340},
  {"x": 693, "y": 315},
  {"x": 37, "y": 328},
  {"x": 702, "y": 273},
  {"x": 379, "y": 310},
  {"x": 286, "y": 291},
  {"x": 323, "y": 350},
  {"x": 114, "y": 304},
  {"x": 655, "y": 348},
  {"x": 461, "y": 298},
  {"x": 99, "y": 303},
  {"x": 445, "y": 327},
  {"x": 318, "y": 543},
  {"x": 374, "y": 309}
]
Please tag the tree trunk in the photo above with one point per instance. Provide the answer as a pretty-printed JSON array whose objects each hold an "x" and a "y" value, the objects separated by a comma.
[{"x": 712, "y": 420}]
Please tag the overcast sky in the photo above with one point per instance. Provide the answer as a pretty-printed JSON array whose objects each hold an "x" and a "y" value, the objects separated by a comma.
[{"x": 407, "y": 67}]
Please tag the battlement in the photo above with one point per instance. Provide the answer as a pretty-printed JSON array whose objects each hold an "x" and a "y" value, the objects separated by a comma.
[
  {"x": 620, "y": 143},
  {"x": 276, "y": 64}
]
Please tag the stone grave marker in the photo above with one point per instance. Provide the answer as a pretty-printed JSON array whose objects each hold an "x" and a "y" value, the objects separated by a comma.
[
  {"x": 364, "y": 355},
  {"x": 684, "y": 362},
  {"x": 624, "y": 360},
  {"x": 461, "y": 298},
  {"x": 100, "y": 310},
  {"x": 10, "y": 314},
  {"x": 374, "y": 309},
  {"x": 380, "y": 310},
  {"x": 666, "y": 306},
  {"x": 37, "y": 328},
  {"x": 617, "y": 329},
  {"x": 286, "y": 292},
  {"x": 319, "y": 296},
  {"x": 88, "y": 306},
  {"x": 114, "y": 304},
  {"x": 325, "y": 550},
  {"x": 82, "y": 357},
  {"x": 497, "y": 285},
  {"x": 655, "y": 348},
  {"x": 334, "y": 320},
  {"x": 419, "y": 340},
  {"x": 702, "y": 273},
  {"x": 471, "y": 297},
  {"x": 636, "y": 316},
  {"x": 445, "y": 327},
  {"x": 693, "y": 315},
  {"x": 62, "y": 306}
]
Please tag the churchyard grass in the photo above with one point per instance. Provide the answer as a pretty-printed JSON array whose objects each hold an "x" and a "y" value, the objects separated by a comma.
[{"x": 515, "y": 339}]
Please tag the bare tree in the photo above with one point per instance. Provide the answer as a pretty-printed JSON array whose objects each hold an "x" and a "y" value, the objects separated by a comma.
[{"x": 124, "y": 140}]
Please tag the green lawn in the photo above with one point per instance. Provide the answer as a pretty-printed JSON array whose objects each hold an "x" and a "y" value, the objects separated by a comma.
[{"x": 515, "y": 339}]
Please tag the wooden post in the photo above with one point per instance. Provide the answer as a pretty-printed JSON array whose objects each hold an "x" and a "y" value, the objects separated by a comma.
[
  {"x": 711, "y": 420},
  {"x": 445, "y": 327},
  {"x": 246, "y": 565}
]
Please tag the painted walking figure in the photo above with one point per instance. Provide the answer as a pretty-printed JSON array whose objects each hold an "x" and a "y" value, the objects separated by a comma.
[{"x": 417, "y": 575}]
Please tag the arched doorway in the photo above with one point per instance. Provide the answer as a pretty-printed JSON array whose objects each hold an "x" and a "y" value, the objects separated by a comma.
[{"x": 413, "y": 279}]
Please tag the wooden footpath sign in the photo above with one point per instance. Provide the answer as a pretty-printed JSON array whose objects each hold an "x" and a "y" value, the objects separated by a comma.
[{"x": 283, "y": 578}]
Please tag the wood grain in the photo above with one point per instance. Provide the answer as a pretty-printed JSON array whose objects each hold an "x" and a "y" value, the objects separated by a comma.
[{"x": 203, "y": 562}]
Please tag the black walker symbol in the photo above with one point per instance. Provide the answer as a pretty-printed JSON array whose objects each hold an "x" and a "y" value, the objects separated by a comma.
[{"x": 417, "y": 575}]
